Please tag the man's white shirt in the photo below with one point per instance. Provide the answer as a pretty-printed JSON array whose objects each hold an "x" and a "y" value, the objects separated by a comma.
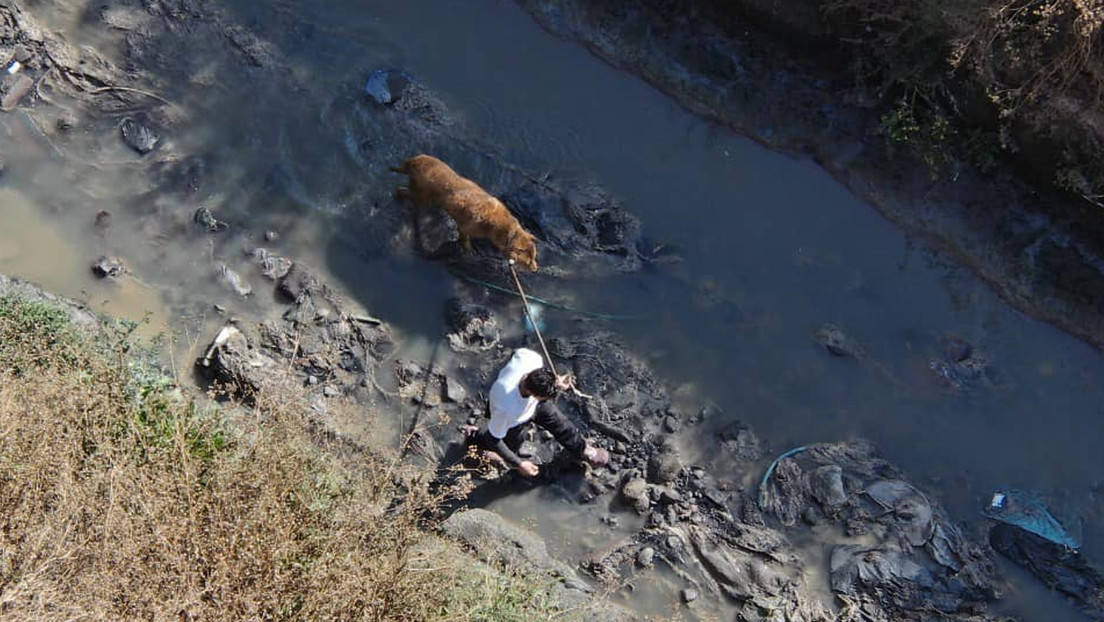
[{"x": 508, "y": 407}]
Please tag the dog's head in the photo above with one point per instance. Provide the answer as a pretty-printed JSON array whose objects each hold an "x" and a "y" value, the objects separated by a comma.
[{"x": 523, "y": 250}]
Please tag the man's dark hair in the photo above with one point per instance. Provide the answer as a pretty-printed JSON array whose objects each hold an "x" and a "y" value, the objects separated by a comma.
[{"x": 542, "y": 383}]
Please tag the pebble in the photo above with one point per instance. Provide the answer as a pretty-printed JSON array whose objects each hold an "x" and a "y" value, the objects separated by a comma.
[
  {"x": 689, "y": 595},
  {"x": 645, "y": 556}
]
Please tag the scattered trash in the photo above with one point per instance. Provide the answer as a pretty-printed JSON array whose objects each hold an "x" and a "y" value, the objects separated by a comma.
[
  {"x": 14, "y": 67},
  {"x": 1023, "y": 510},
  {"x": 234, "y": 280}
]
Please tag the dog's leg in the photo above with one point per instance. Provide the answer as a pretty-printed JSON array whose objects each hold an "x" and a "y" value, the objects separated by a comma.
[{"x": 402, "y": 193}]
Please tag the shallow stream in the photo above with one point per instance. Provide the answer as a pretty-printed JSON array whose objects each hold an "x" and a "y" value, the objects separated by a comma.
[{"x": 773, "y": 248}]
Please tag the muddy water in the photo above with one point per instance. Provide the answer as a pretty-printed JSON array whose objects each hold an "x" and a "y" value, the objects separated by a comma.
[{"x": 772, "y": 249}]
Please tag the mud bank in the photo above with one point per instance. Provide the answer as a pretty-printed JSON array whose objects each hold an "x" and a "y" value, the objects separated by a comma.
[{"x": 755, "y": 84}]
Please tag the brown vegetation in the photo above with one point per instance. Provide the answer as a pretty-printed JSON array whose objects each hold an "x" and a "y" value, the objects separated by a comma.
[{"x": 122, "y": 499}]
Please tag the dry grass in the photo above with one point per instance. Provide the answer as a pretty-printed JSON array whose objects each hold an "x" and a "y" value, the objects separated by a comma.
[{"x": 122, "y": 500}]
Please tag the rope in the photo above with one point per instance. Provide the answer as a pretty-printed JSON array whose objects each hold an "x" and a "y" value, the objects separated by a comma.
[
  {"x": 549, "y": 303},
  {"x": 536, "y": 329}
]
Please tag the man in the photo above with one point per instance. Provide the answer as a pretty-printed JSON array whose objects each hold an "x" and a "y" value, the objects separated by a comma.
[{"x": 522, "y": 393}]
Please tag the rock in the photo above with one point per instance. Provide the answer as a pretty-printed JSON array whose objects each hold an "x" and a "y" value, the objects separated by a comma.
[
  {"x": 204, "y": 218},
  {"x": 635, "y": 494},
  {"x": 689, "y": 595},
  {"x": 387, "y": 86},
  {"x": 836, "y": 342},
  {"x": 826, "y": 483},
  {"x": 108, "y": 267},
  {"x": 3, "y": 166},
  {"x": 139, "y": 135},
  {"x": 664, "y": 466},
  {"x": 66, "y": 121},
  {"x": 454, "y": 391},
  {"x": 671, "y": 424},
  {"x": 13, "y": 89},
  {"x": 645, "y": 557},
  {"x": 295, "y": 282}
]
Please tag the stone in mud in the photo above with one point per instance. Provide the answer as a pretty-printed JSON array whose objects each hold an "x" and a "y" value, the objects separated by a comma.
[
  {"x": 837, "y": 342},
  {"x": 295, "y": 282},
  {"x": 139, "y": 135},
  {"x": 13, "y": 89},
  {"x": 826, "y": 483},
  {"x": 387, "y": 86},
  {"x": 664, "y": 465},
  {"x": 454, "y": 391},
  {"x": 3, "y": 166},
  {"x": 635, "y": 494},
  {"x": 204, "y": 218},
  {"x": 108, "y": 267},
  {"x": 66, "y": 121},
  {"x": 645, "y": 557}
]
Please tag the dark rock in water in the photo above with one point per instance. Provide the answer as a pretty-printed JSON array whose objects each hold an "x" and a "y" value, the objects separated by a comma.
[
  {"x": 108, "y": 267},
  {"x": 387, "y": 86},
  {"x": 1056, "y": 566},
  {"x": 139, "y": 135},
  {"x": 295, "y": 282},
  {"x": 836, "y": 342},
  {"x": 204, "y": 218}
]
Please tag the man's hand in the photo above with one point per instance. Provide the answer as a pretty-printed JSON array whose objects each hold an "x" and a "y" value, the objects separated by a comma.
[
  {"x": 564, "y": 381},
  {"x": 528, "y": 469}
]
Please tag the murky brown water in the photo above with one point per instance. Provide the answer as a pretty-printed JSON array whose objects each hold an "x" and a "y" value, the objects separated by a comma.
[{"x": 773, "y": 248}]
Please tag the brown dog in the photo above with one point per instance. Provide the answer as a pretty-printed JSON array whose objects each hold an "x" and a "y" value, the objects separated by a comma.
[{"x": 476, "y": 212}]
